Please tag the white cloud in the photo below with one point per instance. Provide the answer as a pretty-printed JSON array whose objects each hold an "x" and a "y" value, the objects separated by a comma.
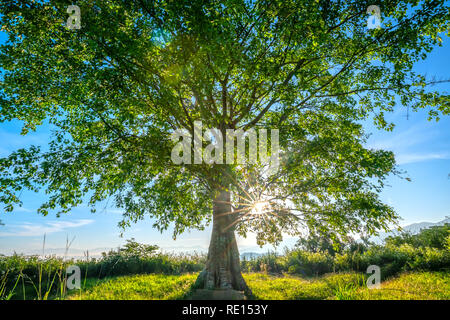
[
  {"x": 22, "y": 209},
  {"x": 419, "y": 143},
  {"x": 403, "y": 140},
  {"x": 416, "y": 157},
  {"x": 34, "y": 229}
]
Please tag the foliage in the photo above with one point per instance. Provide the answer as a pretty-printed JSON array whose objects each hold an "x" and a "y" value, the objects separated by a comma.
[
  {"x": 433, "y": 237},
  {"x": 308, "y": 263},
  {"x": 394, "y": 257},
  {"x": 133, "y": 249},
  {"x": 115, "y": 90},
  {"x": 44, "y": 277},
  {"x": 317, "y": 243},
  {"x": 4, "y": 294},
  {"x": 268, "y": 262},
  {"x": 34, "y": 276},
  {"x": 115, "y": 263},
  {"x": 447, "y": 243},
  {"x": 297, "y": 274},
  {"x": 328, "y": 242}
]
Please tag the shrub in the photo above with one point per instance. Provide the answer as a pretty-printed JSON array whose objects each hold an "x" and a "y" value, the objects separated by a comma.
[
  {"x": 434, "y": 237},
  {"x": 308, "y": 263},
  {"x": 270, "y": 262},
  {"x": 45, "y": 276}
]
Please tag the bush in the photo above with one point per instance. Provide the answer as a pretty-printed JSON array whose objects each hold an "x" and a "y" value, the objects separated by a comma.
[
  {"x": 392, "y": 259},
  {"x": 434, "y": 237},
  {"x": 308, "y": 263},
  {"x": 42, "y": 277},
  {"x": 267, "y": 263},
  {"x": 431, "y": 259},
  {"x": 116, "y": 263},
  {"x": 428, "y": 251}
]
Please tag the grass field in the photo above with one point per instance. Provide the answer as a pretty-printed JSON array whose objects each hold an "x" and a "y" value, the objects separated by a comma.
[
  {"x": 418, "y": 285},
  {"x": 408, "y": 286},
  {"x": 138, "y": 287}
]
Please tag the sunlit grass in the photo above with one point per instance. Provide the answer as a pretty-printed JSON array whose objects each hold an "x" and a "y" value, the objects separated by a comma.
[
  {"x": 138, "y": 287},
  {"x": 410, "y": 286},
  {"x": 418, "y": 285},
  {"x": 287, "y": 287}
]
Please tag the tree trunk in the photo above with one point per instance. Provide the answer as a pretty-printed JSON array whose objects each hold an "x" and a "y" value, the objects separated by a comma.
[{"x": 222, "y": 269}]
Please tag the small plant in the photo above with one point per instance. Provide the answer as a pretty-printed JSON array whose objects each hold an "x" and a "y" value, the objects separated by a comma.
[
  {"x": 4, "y": 295},
  {"x": 346, "y": 291}
]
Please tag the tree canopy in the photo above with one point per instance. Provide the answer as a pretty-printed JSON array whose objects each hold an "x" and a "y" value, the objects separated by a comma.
[{"x": 135, "y": 71}]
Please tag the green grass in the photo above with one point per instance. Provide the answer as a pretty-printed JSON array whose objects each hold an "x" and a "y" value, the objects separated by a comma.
[
  {"x": 418, "y": 285},
  {"x": 138, "y": 287},
  {"x": 288, "y": 287},
  {"x": 409, "y": 286}
]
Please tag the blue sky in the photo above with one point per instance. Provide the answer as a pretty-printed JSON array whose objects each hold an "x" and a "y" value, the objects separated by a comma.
[{"x": 422, "y": 149}]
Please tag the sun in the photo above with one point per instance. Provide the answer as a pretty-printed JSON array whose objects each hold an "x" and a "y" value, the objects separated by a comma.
[{"x": 259, "y": 207}]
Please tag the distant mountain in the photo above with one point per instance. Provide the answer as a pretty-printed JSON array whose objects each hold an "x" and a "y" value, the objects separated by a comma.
[
  {"x": 413, "y": 228},
  {"x": 250, "y": 255},
  {"x": 417, "y": 227}
]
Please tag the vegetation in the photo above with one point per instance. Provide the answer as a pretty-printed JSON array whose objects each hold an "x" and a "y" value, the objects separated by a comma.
[
  {"x": 340, "y": 286},
  {"x": 43, "y": 278},
  {"x": 115, "y": 91},
  {"x": 140, "y": 271},
  {"x": 434, "y": 237},
  {"x": 407, "y": 286},
  {"x": 288, "y": 287},
  {"x": 138, "y": 287},
  {"x": 425, "y": 251},
  {"x": 350, "y": 286}
]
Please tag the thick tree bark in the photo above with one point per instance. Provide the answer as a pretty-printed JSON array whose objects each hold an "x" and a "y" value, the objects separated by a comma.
[{"x": 222, "y": 269}]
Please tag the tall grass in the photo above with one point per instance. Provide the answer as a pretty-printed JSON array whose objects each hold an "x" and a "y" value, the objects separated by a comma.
[
  {"x": 391, "y": 259},
  {"x": 6, "y": 294},
  {"x": 44, "y": 277},
  {"x": 138, "y": 287}
]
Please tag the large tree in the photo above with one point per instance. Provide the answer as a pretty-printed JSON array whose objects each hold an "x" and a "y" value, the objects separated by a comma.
[{"x": 137, "y": 71}]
